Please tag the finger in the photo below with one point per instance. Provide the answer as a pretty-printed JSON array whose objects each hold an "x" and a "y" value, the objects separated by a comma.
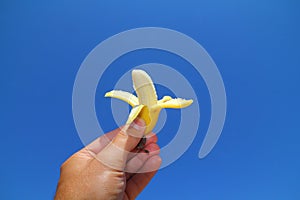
[
  {"x": 151, "y": 138},
  {"x": 134, "y": 164},
  {"x": 115, "y": 153},
  {"x": 138, "y": 182},
  {"x": 97, "y": 145},
  {"x": 152, "y": 164}
]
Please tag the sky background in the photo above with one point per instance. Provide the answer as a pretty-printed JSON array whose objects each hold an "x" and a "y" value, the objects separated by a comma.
[{"x": 255, "y": 45}]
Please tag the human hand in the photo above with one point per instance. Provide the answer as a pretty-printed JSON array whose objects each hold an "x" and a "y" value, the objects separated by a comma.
[{"x": 108, "y": 168}]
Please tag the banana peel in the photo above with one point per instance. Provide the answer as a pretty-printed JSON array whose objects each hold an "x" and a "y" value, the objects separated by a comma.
[{"x": 146, "y": 105}]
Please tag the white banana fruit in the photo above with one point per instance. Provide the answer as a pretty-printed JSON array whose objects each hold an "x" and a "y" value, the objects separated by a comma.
[{"x": 146, "y": 105}]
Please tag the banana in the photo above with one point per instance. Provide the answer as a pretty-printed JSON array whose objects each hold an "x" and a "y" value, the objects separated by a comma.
[{"x": 146, "y": 105}]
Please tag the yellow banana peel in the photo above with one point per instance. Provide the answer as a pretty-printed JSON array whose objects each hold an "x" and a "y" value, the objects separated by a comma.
[{"x": 145, "y": 105}]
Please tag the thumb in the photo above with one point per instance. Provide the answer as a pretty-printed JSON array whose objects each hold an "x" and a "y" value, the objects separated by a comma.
[{"x": 115, "y": 154}]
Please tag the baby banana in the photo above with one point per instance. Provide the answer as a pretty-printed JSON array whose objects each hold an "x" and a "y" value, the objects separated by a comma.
[{"x": 146, "y": 105}]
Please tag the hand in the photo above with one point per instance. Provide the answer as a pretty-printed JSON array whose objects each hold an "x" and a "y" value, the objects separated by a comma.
[{"x": 108, "y": 169}]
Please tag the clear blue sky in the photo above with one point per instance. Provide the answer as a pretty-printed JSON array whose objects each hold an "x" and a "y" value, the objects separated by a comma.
[{"x": 255, "y": 45}]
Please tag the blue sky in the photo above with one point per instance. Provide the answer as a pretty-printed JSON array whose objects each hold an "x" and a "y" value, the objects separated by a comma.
[{"x": 254, "y": 44}]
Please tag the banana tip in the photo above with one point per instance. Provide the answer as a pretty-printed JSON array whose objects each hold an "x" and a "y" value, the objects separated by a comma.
[{"x": 107, "y": 94}]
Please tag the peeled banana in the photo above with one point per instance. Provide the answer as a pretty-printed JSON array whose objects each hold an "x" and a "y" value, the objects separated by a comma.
[{"x": 146, "y": 105}]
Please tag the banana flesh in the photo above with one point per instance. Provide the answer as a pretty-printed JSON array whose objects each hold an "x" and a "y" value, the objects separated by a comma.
[{"x": 145, "y": 104}]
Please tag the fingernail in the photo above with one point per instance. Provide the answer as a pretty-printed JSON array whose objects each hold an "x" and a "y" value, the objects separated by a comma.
[{"x": 138, "y": 124}]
